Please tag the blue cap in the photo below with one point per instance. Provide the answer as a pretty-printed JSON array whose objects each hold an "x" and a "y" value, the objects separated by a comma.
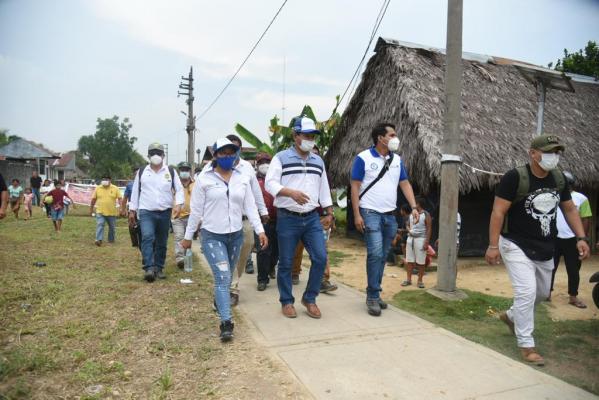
[{"x": 303, "y": 124}]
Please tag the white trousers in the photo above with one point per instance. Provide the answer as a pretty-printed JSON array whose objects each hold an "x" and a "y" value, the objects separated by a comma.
[
  {"x": 414, "y": 252},
  {"x": 246, "y": 248},
  {"x": 531, "y": 282},
  {"x": 179, "y": 226}
]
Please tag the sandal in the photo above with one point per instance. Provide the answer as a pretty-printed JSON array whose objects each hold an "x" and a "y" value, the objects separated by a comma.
[
  {"x": 577, "y": 303},
  {"x": 406, "y": 283},
  {"x": 420, "y": 285}
]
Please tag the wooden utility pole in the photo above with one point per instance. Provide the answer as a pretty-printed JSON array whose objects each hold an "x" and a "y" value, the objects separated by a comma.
[
  {"x": 191, "y": 122},
  {"x": 450, "y": 161}
]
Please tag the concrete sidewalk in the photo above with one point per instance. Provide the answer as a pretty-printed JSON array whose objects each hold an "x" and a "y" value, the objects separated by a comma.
[{"x": 350, "y": 355}]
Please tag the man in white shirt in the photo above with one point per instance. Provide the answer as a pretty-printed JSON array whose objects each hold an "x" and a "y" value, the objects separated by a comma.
[
  {"x": 565, "y": 244},
  {"x": 155, "y": 189},
  {"x": 376, "y": 173},
  {"x": 298, "y": 181}
]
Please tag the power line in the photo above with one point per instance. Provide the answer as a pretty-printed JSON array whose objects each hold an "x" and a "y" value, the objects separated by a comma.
[
  {"x": 244, "y": 61},
  {"x": 375, "y": 29}
]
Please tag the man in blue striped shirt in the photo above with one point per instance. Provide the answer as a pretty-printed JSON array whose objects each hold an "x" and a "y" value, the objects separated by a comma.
[{"x": 298, "y": 181}]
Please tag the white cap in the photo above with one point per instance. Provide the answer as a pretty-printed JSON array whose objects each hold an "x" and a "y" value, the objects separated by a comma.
[{"x": 222, "y": 143}]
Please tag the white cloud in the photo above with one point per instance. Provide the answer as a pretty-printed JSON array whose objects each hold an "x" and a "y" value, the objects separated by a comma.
[{"x": 269, "y": 100}]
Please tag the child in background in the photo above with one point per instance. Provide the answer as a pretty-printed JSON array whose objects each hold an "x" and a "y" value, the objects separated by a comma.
[
  {"x": 57, "y": 206},
  {"x": 28, "y": 203},
  {"x": 419, "y": 235},
  {"x": 15, "y": 192}
]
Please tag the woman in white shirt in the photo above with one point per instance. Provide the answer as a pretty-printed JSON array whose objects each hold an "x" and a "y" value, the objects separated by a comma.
[{"x": 220, "y": 197}]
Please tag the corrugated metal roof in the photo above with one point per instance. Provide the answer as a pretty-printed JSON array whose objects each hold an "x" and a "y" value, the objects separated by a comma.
[{"x": 25, "y": 150}]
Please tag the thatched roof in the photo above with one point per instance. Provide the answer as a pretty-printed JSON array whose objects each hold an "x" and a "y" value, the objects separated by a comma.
[{"x": 404, "y": 84}]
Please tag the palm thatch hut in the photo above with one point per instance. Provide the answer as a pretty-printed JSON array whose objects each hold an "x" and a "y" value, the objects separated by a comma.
[{"x": 404, "y": 84}]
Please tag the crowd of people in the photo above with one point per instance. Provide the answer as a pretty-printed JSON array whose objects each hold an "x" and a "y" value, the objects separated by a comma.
[{"x": 283, "y": 205}]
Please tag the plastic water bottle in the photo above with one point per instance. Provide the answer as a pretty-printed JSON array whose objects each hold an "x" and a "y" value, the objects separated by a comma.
[{"x": 187, "y": 261}]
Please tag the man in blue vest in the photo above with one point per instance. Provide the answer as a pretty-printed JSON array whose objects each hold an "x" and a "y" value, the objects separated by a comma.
[
  {"x": 297, "y": 179},
  {"x": 375, "y": 175}
]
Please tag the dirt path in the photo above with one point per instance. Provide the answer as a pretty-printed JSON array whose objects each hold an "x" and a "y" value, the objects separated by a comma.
[{"x": 473, "y": 274}]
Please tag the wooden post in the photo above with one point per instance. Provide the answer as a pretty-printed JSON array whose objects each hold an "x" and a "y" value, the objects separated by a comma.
[{"x": 450, "y": 163}]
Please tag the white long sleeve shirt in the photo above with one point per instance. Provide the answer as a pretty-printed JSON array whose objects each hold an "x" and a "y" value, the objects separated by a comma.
[
  {"x": 156, "y": 190},
  {"x": 246, "y": 168},
  {"x": 288, "y": 169},
  {"x": 219, "y": 206}
]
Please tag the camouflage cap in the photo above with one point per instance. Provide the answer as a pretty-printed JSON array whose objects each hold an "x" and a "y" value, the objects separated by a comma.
[
  {"x": 156, "y": 146},
  {"x": 547, "y": 143}
]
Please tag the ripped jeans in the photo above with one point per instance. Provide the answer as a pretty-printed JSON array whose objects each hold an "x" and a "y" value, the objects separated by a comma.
[{"x": 222, "y": 252}]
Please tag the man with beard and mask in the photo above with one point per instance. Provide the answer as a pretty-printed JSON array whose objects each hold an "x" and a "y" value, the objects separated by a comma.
[
  {"x": 529, "y": 196},
  {"x": 155, "y": 189},
  {"x": 104, "y": 199},
  {"x": 376, "y": 173},
  {"x": 298, "y": 181},
  {"x": 179, "y": 222}
]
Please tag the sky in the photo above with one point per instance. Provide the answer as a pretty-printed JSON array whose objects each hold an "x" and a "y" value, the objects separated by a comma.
[{"x": 65, "y": 63}]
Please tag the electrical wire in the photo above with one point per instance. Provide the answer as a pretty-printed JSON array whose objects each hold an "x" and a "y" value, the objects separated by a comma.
[
  {"x": 375, "y": 29},
  {"x": 244, "y": 61}
]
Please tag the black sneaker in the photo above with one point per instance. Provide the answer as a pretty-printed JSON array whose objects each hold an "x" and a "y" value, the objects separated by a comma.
[
  {"x": 382, "y": 304},
  {"x": 374, "y": 308},
  {"x": 160, "y": 274},
  {"x": 326, "y": 286},
  {"x": 149, "y": 275},
  {"x": 249, "y": 267},
  {"x": 261, "y": 286},
  {"x": 234, "y": 299},
  {"x": 226, "y": 331}
]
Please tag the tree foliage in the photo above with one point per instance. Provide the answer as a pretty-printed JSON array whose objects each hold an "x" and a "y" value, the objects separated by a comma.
[
  {"x": 5, "y": 138},
  {"x": 584, "y": 62},
  {"x": 110, "y": 150},
  {"x": 281, "y": 136}
]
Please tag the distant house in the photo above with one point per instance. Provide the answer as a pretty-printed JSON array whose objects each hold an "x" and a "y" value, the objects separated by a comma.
[
  {"x": 19, "y": 158},
  {"x": 404, "y": 84},
  {"x": 65, "y": 168}
]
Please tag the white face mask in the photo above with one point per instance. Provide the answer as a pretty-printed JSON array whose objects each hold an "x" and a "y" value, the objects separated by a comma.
[
  {"x": 307, "y": 145},
  {"x": 156, "y": 159},
  {"x": 549, "y": 161},
  {"x": 184, "y": 174},
  {"x": 105, "y": 183},
  {"x": 393, "y": 144},
  {"x": 263, "y": 168}
]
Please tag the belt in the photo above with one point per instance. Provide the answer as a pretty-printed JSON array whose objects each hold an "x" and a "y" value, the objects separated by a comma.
[
  {"x": 297, "y": 214},
  {"x": 392, "y": 212}
]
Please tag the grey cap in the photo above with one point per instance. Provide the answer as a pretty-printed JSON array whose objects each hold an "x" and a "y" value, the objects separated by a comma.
[{"x": 156, "y": 146}]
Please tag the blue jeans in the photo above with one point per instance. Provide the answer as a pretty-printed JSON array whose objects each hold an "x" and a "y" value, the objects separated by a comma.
[
  {"x": 290, "y": 230},
  {"x": 36, "y": 196},
  {"x": 222, "y": 252},
  {"x": 380, "y": 231},
  {"x": 100, "y": 221},
  {"x": 57, "y": 215},
  {"x": 154, "y": 235}
]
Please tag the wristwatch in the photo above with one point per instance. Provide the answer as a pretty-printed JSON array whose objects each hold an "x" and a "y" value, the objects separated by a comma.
[{"x": 585, "y": 238}]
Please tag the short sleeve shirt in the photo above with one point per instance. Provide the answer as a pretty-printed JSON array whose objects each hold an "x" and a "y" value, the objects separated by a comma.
[
  {"x": 531, "y": 222},
  {"x": 106, "y": 198},
  {"x": 584, "y": 210},
  {"x": 14, "y": 192}
]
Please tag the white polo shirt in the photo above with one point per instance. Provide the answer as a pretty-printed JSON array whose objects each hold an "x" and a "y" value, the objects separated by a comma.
[
  {"x": 288, "y": 169},
  {"x": 219, "y": 206},
  {"x": 381, "y": 197},
  {"x": 584, "y": 209},
  {"x": 156, "y": 190}
]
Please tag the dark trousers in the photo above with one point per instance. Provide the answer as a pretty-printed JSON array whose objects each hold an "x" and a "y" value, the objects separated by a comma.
[
  {"x": 567, "y": 248},
  {"x": 267, "y": 258}
]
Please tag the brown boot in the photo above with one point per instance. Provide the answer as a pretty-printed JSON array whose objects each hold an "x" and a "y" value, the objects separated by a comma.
[
  {"x": 289, "y": 311},
  {"x": 529, "y": 354},
  {"x": 510, "y": 324}
]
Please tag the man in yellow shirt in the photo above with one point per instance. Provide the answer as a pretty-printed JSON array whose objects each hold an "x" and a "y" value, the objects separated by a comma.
[
  {"x": 179, "y": 222},
  {"x": 105, "y": 199}
]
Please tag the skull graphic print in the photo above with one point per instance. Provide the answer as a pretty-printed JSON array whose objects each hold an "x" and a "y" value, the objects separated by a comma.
[{"x": 542, "y": 205}]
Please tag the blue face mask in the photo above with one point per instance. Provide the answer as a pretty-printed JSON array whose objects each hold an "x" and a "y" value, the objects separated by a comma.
[{"x": 226, "y": 162}]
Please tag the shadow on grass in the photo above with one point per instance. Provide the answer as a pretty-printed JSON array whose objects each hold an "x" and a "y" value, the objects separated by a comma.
[{"x": 570, "y": 348}]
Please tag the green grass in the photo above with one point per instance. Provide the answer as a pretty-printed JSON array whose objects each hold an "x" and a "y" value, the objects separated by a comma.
[
  {"x": 335, "y": 257},
  {"x": 340, "y": 218},
  {"x": 571, "y": 348},
  {"x": 88, "y": 318}
]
